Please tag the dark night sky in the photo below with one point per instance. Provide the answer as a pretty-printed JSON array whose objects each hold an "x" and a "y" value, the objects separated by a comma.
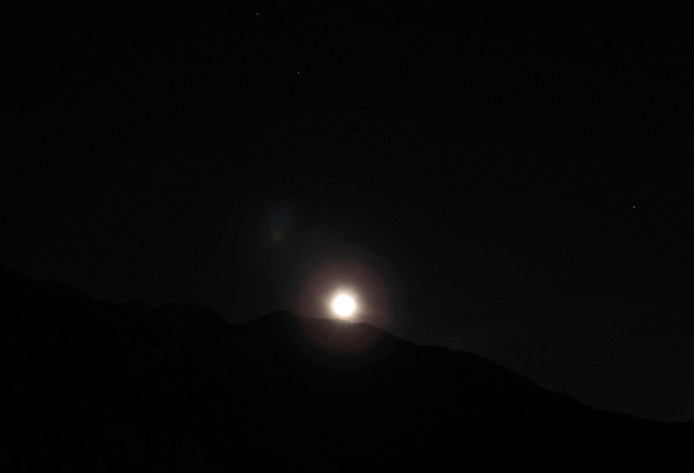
[{"x": 510, "y": 183}]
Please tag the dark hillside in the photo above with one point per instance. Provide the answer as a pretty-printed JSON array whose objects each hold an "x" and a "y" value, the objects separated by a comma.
[{"x": 93, "y": 386}]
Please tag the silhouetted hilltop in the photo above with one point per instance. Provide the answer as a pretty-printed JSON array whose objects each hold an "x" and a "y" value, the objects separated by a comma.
[{"x": 94, "y": 386}]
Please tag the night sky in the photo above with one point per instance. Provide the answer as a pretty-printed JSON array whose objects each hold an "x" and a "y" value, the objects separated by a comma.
[{"x": 509, "y": 183}]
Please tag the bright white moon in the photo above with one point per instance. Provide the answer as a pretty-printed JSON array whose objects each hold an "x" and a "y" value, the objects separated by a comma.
[{"x": 344, "y": 305}]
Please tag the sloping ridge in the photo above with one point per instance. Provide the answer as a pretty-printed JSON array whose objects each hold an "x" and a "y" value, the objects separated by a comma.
[{"x": 130, "y": 387}]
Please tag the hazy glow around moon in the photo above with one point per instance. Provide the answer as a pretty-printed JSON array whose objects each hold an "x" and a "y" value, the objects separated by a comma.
[{"x": 344, "y": 305}]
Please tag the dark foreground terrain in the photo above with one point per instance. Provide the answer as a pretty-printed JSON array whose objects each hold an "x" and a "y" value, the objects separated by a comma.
[{"x": 93, "y": 386}]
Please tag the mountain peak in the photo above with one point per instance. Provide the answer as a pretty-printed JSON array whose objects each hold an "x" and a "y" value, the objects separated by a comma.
[
  {"x": 282, "y": 316},
  {"x": 335, "y": 342}
]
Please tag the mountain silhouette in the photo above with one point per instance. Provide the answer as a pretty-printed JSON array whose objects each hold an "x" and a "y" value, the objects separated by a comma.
[{"x": 97, "y": 386}]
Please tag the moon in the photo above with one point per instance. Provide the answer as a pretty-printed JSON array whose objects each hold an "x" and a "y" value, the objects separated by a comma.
[{"x": 343, "y": 305}]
